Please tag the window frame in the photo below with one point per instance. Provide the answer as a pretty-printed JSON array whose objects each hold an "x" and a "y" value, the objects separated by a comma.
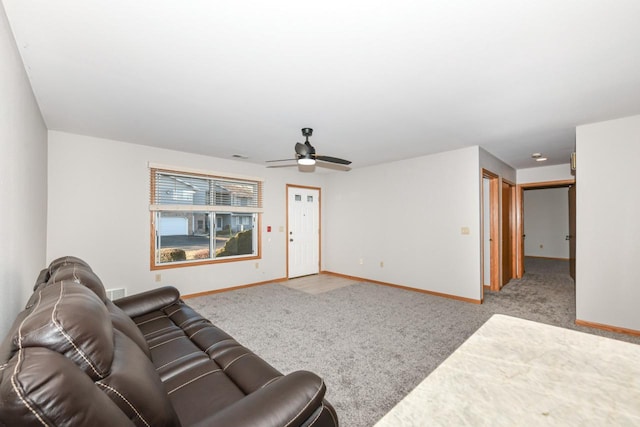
[{"x": 209, "y": 208}]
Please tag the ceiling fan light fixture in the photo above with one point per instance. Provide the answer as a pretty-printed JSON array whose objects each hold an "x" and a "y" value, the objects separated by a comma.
[{"x": 306, "y": 160}]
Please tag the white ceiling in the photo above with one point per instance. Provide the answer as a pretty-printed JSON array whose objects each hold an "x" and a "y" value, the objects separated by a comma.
[{"x": 377, "y": 81}]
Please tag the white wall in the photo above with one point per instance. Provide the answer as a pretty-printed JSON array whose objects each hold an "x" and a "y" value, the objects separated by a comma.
[
  {"x": 99, "y": 211},
  {"x": 546, "y": 222},
  {"x": 491, "y": 163},
  {"x": 408, "y": 215},
  {"x": 23, "y": 182},
  {"x": 608, "y": 230},
  {"x": 545, "y": 174}
]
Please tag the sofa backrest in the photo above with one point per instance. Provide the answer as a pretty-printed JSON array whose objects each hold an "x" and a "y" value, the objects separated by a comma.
[{"x": 74, "y": 358}]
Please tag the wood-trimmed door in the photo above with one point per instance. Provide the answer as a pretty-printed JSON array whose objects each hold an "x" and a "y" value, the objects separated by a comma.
[
  {"x": 303, "y": 231},
  {"x": 502, "y": 242},
  {"x": 508, "y": 240},
  {"x": 572, "y": 231},
  {"x": 492, "y": 197}
]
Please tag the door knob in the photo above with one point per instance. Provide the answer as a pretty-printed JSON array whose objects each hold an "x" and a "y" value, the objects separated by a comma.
[{"x": 291, "y": 240}]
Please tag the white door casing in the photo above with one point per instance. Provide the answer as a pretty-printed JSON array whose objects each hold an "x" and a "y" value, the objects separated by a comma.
[{"x": 303, "y": 233}]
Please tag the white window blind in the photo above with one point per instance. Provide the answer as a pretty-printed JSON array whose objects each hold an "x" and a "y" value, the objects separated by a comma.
[{"x": 173, "y": 190}]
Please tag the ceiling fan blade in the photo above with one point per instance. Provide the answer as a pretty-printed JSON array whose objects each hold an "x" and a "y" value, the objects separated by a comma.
[
  {"x": 311, "y": 148},
  {"x": 283, "y": 166},
  {"x": 280, "y": 160},
  {"x": 333, "y": 166},
  {"x": 302, "y": 149},
  {"x": 333, "y": 160}
]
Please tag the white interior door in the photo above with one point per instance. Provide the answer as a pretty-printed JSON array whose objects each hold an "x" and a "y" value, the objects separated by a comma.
[{"x": 303, "y": 235}]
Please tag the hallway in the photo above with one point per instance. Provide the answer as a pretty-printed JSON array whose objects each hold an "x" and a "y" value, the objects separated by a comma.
[{"x": 545, "y": 293}]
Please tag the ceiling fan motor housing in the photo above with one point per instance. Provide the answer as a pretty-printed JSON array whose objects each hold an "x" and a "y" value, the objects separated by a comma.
[{"x": 307, "y": 132}]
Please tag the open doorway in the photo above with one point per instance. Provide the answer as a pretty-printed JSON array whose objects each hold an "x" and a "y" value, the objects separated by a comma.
[{"x": 546, "y": 223}]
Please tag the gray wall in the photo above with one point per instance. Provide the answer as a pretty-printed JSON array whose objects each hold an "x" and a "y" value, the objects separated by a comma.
[
  {"x": 23, "y": 181},
  {"x": 546, "y": 222},
  {"x": 608, "y": 231}
]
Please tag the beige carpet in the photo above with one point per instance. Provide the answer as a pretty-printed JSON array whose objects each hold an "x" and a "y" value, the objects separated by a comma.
[{"x": 373, "y": 344}]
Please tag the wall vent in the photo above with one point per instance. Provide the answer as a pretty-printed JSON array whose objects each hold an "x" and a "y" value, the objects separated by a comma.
[{"x": 114, "y": 294}]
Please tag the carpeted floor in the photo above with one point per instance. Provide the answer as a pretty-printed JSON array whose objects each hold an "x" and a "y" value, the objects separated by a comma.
[{"x": 373, "y": 344}]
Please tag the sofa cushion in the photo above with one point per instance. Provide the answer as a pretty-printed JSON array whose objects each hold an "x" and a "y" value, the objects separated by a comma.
[
  {"x": 201, "y": 365},
  {"x": 65, "y": 260},
  {"x": 201, "y": 386},
  {"x": 135, "y": 387},
  {"x": 124, "y": 324},
  {"x": 172, "y": 350},
  {"x": 71, "y": 320},
  {"x": 80, "y": 274},
  {"x": 145, "y": 302},
  {"x": 83, "y": 275},
  {"x": 42, "y": 387}
]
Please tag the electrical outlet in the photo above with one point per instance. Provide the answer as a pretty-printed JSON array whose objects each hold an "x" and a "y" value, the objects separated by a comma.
[
  {"x": 257, "y": 265},
  {"x": 158, "y": 277},
  {"x": 361, "y": 261},
  {"x": 541, "y": 246},
  {"x": 381, "y": 264},
  {"x": 464, "y": 230}
]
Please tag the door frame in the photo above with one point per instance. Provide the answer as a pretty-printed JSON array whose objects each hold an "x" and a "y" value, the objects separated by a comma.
[
  {"x": 286, "y": 240},
  {"x": 494, "y": 230},
  {"x": 520, "y": 214},
  {"x": 513, "y": 244}
]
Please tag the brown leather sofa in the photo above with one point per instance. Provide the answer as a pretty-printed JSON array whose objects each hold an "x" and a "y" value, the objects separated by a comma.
[{"x": 75, "y": 358}]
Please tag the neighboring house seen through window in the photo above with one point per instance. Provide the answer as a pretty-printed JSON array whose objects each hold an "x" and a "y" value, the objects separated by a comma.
[{"x": 199, "y": 218}]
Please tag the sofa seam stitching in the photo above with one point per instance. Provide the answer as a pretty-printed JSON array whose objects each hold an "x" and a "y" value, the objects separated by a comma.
[
  {"x": 307, "y": 405},
  {"x": 167, "y": 341},
  {"x": 317, "y": 416},
  {"x": 151, "y": 320},
  {"x": 68, "y": 338},
  {"x": 236, "y": 359},
  {"x": 126, "y": 400},
  {"x": 193, "y": 380},
  {"x": 14, "y": 381},
  {"x": 179, "y": 358}
]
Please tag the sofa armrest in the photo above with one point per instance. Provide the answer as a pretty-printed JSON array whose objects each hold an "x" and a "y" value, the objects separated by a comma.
[
  {"x": 287, "y": 401},
  {"x": 146, "y": 302}
]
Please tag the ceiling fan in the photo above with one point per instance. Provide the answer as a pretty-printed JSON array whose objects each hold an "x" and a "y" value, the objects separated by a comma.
[{"x": 306, "y": 154}]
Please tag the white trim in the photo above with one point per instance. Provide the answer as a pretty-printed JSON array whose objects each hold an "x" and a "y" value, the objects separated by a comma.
[
  {"x": 180, "y": 169},
  {"x": 206, "y": 208}
]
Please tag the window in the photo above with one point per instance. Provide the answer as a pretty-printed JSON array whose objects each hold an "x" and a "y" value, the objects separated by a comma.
[{"x": 199, "y": 218}]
